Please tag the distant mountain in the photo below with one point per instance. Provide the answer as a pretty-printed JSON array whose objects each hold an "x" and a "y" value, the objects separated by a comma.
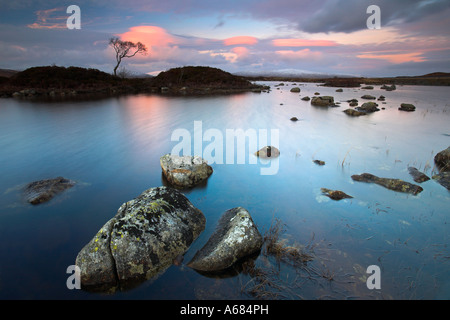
[
  {"x": 436, "y": 75},
  {"x": 7, "y": 73},
  {"x": 289, "y": 73}
]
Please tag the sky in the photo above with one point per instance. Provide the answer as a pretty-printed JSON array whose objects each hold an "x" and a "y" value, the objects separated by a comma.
[{"x": 239, "y": 36}]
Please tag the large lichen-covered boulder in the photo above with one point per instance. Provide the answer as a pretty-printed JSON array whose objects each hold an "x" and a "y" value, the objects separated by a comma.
[
  {"x": 42, "y": 191},
  {"x": 392, "y": 184},
  {"x": 236, "y": 236},
  {"x": 442, "y": 160},
  {"x": 185, "y": 171},
  {"x": 140, "y": 241}
]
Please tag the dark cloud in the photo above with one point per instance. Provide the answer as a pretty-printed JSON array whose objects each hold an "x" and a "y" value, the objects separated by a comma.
[{"x": 351, "y": 15}]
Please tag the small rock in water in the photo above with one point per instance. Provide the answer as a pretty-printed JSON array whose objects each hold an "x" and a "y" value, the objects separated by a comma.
[
  {"x": 368, "y": 97},
  {"x": 392, "y": 184},
  {"x": 354, "y": 113},
  {"x": 185, "y": 171},
  {"x": 323, "y": 101},
  {"x": 319, "y": 162},
  {"x": 407, "y": 107},
  {"x": 44, "y": 190},
  {"x": 294, "y": 119},
  {"x": 268, "y": 152},
  {"x": 335, "y": 194},
  {"x": 417, "y": 175}
]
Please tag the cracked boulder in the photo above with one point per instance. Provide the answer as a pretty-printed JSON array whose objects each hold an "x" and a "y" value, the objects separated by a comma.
[
  {"x": 185, "y": 171},
  {"x": 236, "y": 236},
  {"x": 140, "y": 241}
]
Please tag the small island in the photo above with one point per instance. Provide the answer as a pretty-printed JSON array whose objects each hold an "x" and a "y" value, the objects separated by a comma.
[{"x": 55, "y": 81}]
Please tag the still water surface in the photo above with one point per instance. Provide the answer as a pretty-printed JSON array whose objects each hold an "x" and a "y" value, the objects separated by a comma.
[{"x": 111, "y": 147}]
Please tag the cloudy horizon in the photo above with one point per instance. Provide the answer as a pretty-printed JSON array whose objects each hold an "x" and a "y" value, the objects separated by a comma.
[{"x": 328, "y": 36}]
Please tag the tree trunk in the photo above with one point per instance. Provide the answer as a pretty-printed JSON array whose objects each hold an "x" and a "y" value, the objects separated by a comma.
[{"x": 117, "y": 66}]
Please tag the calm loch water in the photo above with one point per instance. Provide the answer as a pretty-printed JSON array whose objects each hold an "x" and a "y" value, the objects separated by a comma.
[{"x": 111, "y": 147}]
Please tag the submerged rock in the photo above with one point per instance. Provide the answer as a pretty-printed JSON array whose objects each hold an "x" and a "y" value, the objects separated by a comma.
[
  {"x": 143, "y": 239},
  {"x": 185, "y": 171},
  {"x": 354, "y": 113},
  {"x": 306, "y": 98},
  {"x": 268, "y": 152},
  {"x": 43, "y": 190},
  {"x": 235, "y": 237},
  {"x": 323, "y": 101},
  {"x": 368, "y": 97},
  {"x": 392, "y": 184},
  {"x": 443, "y": 178},
  {"x": 319, "y": 162},
  {"x": 442, "y": 160},
  {"x": 353, "y": 102},
  {"x": 335, "y": 194},
  {"x": 368, "y": 107},
  {"x": 407, "y": 107},
  {"x": 417, "y": 175},
  {"x": 388, "y": 88}
]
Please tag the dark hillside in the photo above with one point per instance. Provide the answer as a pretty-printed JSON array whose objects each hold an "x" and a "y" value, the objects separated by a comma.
[{"x": 199, "y": 77}]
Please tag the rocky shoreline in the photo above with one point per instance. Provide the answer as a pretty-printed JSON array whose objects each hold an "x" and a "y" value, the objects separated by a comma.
[{"x": 74, "y": 83}]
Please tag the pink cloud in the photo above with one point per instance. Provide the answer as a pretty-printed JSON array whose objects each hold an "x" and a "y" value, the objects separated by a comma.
[
  {"x": 241, "y": 52},
  {"x": 302, "y": 43},
  {"x": 240, "y": 40},
  {"x": 395, "y": 58},
  {"x": 299, "y": 55},
  {"x": 150, "y": 36},
  {"x": 157, "y": 40},
  {"x": 46, "y": 19}
]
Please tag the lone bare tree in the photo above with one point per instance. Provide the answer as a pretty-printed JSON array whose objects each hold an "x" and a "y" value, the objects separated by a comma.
[{"x": 126, "y": 49}]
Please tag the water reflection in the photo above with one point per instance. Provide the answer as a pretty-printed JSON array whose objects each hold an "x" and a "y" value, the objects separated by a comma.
[{"x": 114, "y": 145}]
